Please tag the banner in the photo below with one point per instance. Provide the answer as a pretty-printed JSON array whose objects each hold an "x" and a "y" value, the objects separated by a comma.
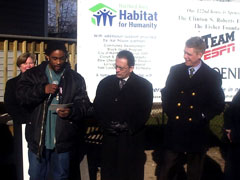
[{"x": 156, "y": 32}]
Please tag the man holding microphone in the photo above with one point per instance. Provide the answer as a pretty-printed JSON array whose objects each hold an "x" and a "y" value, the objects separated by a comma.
[{"x": 57, "y": 100}]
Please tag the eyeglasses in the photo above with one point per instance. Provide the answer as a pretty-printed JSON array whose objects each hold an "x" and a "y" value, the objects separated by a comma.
[{"x": 120, "y": 68}]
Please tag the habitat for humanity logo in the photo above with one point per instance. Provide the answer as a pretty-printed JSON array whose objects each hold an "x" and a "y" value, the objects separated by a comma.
[{"x": 102, "y": 15}]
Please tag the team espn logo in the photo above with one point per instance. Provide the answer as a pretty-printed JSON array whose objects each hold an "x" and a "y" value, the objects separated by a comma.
[
  {"x": 102, "y": 15},
  {"x": 222, "y": 44}
]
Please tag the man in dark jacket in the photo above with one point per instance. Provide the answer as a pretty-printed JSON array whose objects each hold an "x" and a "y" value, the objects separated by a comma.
[
  {"x": 51, "y": 131},
  {"x": 191, "y": 98},
  {"x": 123, "y": 109},
  {"x": 232, "y": 128}
]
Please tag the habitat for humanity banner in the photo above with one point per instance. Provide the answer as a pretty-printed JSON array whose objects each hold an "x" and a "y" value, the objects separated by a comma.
[{"x": 156, "y": 33}]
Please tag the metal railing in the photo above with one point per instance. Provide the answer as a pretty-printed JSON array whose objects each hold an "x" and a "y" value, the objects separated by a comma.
[{"x": 13, "y": 45}]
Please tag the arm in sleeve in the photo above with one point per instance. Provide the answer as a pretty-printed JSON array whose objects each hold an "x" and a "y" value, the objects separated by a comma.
[
  {"x": 10, "y": 102},
  {"x": 31, "y": 89},
  {"x": 138, "y": 118},
  {"x": 232, "y": 118},
  {"x": 166, "y": 93},
  {"x": 100, "y": 105},
  {"x": 81, "y": 102},
  {"x": 215, "y": 103}
]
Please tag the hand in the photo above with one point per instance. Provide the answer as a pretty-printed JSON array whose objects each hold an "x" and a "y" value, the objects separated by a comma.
[
  {"x": 63, "y": 112},
  {"x": 51, "y": 88},
  {"x": 119, "y": 127},
  {"x": 228, "y": 131},
  {"x": 116, "y": 127},
  {"x": 111, "y": 131}
]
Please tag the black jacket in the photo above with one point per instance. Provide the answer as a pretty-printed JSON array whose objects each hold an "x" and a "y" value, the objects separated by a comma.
[
  {"x": 31, "y": 93},
  {"x": 131, "y": 107},
  {"x": 232, "y": 118},
  {"x": 17, "y": 112},
  {"x": 189, "y": 104},
  {"x": 132, "y": 104}
]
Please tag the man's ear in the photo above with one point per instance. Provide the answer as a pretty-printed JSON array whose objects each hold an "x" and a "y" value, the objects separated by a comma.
[
  {"x": 47, "y": 57},
  {"x": 200, "y": 54},
  {"x": 131, "y": 68}
]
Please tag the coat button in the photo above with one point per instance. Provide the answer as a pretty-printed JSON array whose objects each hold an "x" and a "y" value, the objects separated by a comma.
[
  {"x": 191, "y": 107},
  {"x": 193, "y": 94},
  {"x": 177, "y": 117},
  {"x": 178, "y": 104},
  {"x": 190, "y": 119}
]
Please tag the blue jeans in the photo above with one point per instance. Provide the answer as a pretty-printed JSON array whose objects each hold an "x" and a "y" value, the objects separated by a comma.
[{"x": 55, "y": 163}]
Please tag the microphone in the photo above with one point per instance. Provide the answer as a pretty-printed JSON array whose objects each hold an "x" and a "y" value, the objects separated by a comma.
[
  {"x": 55, "y": 82},
  {"x": 50, "y": 95}
]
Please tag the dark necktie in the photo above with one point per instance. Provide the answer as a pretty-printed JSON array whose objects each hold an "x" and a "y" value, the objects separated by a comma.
[
  {"x": 121, "y": 83},
  {"x": 191, "y": 70}
]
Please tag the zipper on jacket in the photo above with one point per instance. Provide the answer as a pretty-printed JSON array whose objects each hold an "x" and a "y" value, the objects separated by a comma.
[{"x": 40, "y": 147}]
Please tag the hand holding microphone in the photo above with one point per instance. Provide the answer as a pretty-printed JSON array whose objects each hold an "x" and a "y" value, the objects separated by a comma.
[{"x": 51, "y": 88}]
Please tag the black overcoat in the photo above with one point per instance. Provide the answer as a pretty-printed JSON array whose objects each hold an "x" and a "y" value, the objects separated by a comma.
[
  {"x": 19, "y": 115},
  {"x": 123, "y": 154},
  {"x": 232, "y": 119},
  {"x": 13, "y": 107},
  {"x": 189, "y": 104},
  {"x": 232, "y": 122},
  {"x": 31, "y": 94}
]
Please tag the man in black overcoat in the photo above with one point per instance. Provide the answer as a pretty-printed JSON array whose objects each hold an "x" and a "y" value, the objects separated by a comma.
[
  {"x": 123, "y": 109},
  {"x": 191, "y": 98},
  {"x": 232, "y": 131}
]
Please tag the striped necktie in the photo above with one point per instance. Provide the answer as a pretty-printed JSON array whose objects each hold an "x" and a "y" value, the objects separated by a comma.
[
  {"x": 191, "y": 70},
  {"x": 121, "y": 83}
]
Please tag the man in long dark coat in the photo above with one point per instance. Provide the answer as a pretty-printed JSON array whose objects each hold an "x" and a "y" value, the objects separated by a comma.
[
  {"x": 232, "y": 128},
  {"x": 191, "y": 98},
  {"x": 123, "y": 111}
]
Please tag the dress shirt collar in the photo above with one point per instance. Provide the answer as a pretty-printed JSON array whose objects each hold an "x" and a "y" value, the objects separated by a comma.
[{"x": 196, "y": 68}]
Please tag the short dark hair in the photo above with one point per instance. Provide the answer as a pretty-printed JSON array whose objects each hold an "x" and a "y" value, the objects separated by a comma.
[
  {"x": 197, "y": 43},
  {"x": 56, "y": 45},
  {"x": 127, "y": 55},
  {"x": 23, "y": 58}
]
